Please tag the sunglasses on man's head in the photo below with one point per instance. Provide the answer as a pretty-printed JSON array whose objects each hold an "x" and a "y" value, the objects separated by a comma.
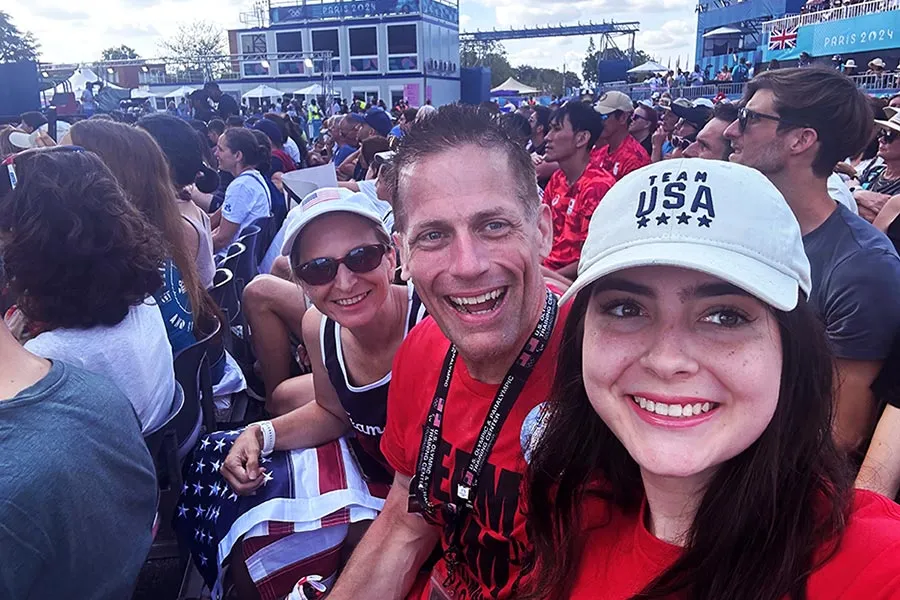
[
  {"x": 887, "y": 136},
  {"x": 320, "y": 271}
]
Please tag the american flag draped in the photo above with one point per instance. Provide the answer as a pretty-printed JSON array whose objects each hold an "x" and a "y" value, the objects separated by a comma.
[
  {"x": 305, "y": 489},
  {"x": 783, "y": 39}
]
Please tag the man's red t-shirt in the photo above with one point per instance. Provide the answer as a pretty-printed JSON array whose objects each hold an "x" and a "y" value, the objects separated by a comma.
[
  {"x": 495, "y": 548},
  {"x": 629, "y": 156},
  {"x": 621, "y": 556},
  {"x": 572, "y": 208}
]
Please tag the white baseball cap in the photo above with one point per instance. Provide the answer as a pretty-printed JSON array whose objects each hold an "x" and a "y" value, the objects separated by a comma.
[
  {"x": 612, "y": 101},
  {"x": 716, "y": 217},
  {"x": 324, "y": 201},
  {"x": 23, "y": 140}
]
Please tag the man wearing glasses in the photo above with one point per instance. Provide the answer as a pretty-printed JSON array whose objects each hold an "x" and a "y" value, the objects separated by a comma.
[
  {"x": 794, "y": 126},
  {"x": 617, "y": 151}
]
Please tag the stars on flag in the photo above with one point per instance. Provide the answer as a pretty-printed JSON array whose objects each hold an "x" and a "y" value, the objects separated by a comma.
[
  {"x": 198, "y": 488},
  {"x": 199, "y": 467},
  {"x": 216, "y": 465},
  {"x": 182, "y": 511},
  {"x": 267, "y": 477},
  {"x": 204, "y": 443}
]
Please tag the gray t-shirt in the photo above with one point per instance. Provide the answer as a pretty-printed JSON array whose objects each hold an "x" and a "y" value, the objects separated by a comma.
[
  {"x": 77, "y": 490},
  {"x": 855, "y": 280}
]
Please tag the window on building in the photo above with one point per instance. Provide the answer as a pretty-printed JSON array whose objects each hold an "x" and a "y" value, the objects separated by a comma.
[
  {"x": 363, "y": 49},
  {"x": 402, "y": 39},
  {"x": 363, "y": 41},
  {"x": 289, "y": 41},
  {"x": 327, "y": 39},
  {"x": 253, "y": 43},
  {"x": 402, "y": 48}
]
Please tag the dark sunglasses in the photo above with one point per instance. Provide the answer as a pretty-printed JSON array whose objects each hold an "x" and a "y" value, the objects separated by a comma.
[
  {"x": 320, "y": 271},
  {"x": 681, "y": 142},
  {"x": 887, "y": 136},
  {"x": 745, "y": 115}
]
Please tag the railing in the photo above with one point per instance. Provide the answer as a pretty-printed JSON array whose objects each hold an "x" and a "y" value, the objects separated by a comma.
[
  {"x": 836, "y": 12},
  {"x": 641, "y": 91}
]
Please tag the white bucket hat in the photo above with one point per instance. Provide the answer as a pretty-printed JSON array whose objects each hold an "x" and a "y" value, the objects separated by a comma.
[{"x": 716, "y": 217}]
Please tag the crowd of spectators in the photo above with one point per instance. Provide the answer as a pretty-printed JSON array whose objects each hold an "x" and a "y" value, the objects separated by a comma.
[{"x": 602, "y": 348}]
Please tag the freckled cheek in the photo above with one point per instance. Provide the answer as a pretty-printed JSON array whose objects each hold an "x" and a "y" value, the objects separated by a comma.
[{"x": 606, "y": 359}]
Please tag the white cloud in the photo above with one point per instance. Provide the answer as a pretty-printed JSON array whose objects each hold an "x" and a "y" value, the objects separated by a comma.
[
  {"x": 511, "y": 13},
  {"x": 79, "y": 33},
  {"x": 464, "y": 20},
  {"x": 672, "y": 35}
]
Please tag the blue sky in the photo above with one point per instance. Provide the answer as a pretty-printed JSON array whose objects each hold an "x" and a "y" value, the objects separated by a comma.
[{"x": 74, "y": 32}]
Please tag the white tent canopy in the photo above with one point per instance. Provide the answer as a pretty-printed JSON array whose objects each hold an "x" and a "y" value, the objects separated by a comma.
[
  {"x": 648, "y": 67},
  {"x": 722, "y": 31},
  {"x": 82, "y": 76},
  {"x": 180, "y": 92},
  {"x": 263, "y": 91},
  {"x": 313, "y": 89},
  {"x": 511, "y": 86},
  {"x": 139, "y": 93}
]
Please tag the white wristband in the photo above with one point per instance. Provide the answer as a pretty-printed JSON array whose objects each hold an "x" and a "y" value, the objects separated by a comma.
[{"x": 268, "y": 435}]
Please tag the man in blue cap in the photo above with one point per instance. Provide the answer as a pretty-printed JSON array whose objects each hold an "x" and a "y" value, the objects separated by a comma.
[{"x": 374, "y": 122}]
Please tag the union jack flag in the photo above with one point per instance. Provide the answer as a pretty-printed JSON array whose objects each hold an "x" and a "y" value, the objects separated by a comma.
[{"x": 783, "y": 39}]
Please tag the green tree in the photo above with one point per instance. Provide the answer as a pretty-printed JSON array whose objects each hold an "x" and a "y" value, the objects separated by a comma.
[
  {"x": 197, "y": 51},
  {"x": 122, "y": 52},
  {"x": 15, "y": 45},
  {"x": 589, "y": 65},
  {"x": 486, "y": 54}
]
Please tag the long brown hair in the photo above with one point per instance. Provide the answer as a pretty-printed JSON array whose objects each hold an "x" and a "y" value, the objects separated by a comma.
[
  {"x": 142, "y": 170},
  {"x": 766, "y": 515}
]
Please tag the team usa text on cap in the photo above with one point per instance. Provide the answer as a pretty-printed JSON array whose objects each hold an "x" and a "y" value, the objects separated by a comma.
[{"x": 678, "y": 194}]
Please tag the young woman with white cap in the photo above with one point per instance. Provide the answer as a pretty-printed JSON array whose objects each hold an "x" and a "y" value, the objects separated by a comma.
[
  {"x": 327, "y": 451},
  {"x": 686, "y": 451}
]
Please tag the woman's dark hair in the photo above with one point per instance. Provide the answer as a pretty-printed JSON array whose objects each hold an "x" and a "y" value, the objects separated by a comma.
[
  {"x": 234, "y": 121},
  {"x": 216, "y": 126},
  {"x": 243, "y": 141},
  {"x": 141, "y": 168},
  {"x": 77, "y": 253},
  {"x": 264, "y": 166},
  {"x": 282, "y": 125},
  {"x": 183, "y": 149},
  {"x": 517, "y": 127},
  {"x": 878, "y": 105},
  {"x": 372, "y": 146},
  {"x": 542, "y": 116},
  {"x": 764, "y": 517}
]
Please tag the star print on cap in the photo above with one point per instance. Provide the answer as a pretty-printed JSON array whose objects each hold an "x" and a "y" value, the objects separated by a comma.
[{"x": 716, "y": 217}]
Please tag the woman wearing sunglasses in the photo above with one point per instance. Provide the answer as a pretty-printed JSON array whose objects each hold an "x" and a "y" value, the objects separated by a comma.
[
  {"x": 341, "y": 256},
  {"x": 686, "y": 451}
]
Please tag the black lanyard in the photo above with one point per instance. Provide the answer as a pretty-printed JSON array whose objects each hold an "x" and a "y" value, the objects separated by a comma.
[{"x": 463, "y": 497}]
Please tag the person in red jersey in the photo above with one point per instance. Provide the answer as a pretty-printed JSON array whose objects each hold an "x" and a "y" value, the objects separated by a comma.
[
  {"x": 577, "y": 187},
  {"x": 686, "y": 449},
  {"x": 617, "y": 151},
  {"x": 472, "y": 234}
]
